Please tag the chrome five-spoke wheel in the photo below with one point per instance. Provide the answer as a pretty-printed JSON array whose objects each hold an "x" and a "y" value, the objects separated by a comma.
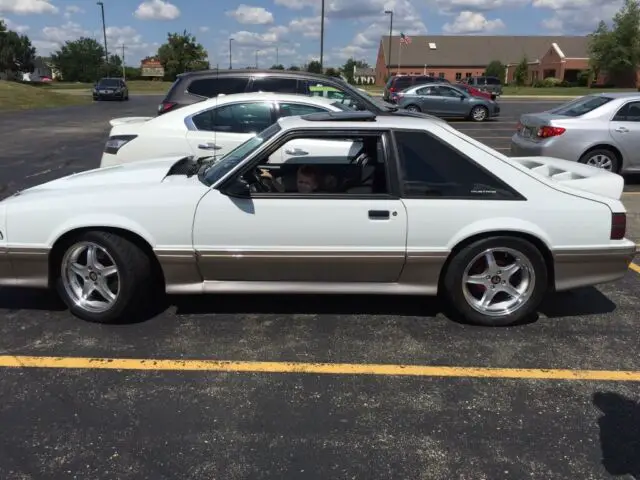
[
  {"x": 90, "y": 277},
  {"x": 498, "y": 281}
]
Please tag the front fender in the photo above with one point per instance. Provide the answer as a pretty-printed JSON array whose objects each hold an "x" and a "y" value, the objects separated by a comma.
[{"x": 101, "y": 220}]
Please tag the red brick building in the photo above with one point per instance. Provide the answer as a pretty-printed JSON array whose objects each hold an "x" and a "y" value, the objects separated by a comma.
[{"x": 456, "y": 57}]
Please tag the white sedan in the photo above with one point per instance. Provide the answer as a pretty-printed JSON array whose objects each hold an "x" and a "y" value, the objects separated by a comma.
[
  {"x": 212, "y": 127},
  {"x": 419, "y": 209}
]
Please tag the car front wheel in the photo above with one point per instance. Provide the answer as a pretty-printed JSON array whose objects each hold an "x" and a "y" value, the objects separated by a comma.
[
  {"x": 479, "y": 114},
  {"x": 496, "y": 281},
  {"x": 104, "y": 278}
]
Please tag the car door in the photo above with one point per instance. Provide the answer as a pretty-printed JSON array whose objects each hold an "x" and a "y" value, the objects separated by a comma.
[
  {"x": 306, "y": 150},
  {"x": 624, "y": 128},
  {"x": 424, "y": 97},
  {"x": 218, "y": 130},
  {"x": 326, "y": 239},
  {"x": 452, "y": 101}
]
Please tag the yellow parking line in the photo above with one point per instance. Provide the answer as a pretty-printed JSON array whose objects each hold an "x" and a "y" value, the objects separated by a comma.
[
  {"x": 314, "y": 368},
  {"x": 634, "y": 267}
]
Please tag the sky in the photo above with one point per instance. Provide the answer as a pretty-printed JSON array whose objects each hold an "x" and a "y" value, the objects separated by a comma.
[{"x": 291, "y": 27}]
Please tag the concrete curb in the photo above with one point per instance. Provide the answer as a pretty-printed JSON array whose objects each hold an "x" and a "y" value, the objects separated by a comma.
[{"x": 539, "y": 97}]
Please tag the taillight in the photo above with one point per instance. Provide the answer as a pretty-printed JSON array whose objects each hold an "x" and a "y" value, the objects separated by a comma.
[
  {"x": 546, "y": 132},
  {"x": 116, "y": 142},
  {"x": 164, "y": 107},
  {"x": 391, "y": 89},
  {"x": 618, "y": 226},
  {"x": 519, "y": 126}
]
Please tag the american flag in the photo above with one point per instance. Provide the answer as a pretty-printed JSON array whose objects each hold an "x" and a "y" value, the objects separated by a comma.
[{"x": 406, "y": 39}]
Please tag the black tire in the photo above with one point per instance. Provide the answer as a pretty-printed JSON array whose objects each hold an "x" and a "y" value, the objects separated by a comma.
[
  {"x": 413, "y": 108},
  {"x": 610, "y": 154},
  {"x": 136, "y": 282},
  {"x": 454, "y": 291},
  {"x": 483, "y": 113}
]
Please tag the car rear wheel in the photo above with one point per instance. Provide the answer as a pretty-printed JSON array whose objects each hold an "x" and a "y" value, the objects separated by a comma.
[
  {"x": 601, "y": 158},
  {"x": 479, "y": 113},
  {"x": 497, "y": 281},
  {"x": 413, "y": 108},
  {"x": 104, "y": 278}
]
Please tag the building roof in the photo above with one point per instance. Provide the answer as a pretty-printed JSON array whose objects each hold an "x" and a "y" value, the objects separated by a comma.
[
  {"x": 364, "y": 72},
  {"x": 479, "y": 50}
]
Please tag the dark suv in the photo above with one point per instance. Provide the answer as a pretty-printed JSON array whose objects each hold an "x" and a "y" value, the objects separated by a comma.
[
  {"x": 193, "y": 87},
  {"x": 485, "y": 84},
  {"x": 397, "y": 83}
]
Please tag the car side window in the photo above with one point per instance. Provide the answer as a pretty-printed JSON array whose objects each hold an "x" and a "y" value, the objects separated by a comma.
[
  {"x": 425, "y": 91},
  {"x": 273, "y": 84},
  {"x": 431, "y": 168},
  {"x": 446, "y": 92},
  {"x": 493, "y": 81},
  {"x": 212, "y": 87},
  {"x": 235, "y": 118},
  {"x": 629, "y": 112},
  {"x": 293, "y": 109},
  {"x": 320, "y": 164}
]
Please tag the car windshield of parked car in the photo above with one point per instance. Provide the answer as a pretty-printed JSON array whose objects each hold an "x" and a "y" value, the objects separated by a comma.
[
  {"x": 109, "y": 82},
  {"x": 229, "y": 161},
  {"x": 580, "y": 106}
]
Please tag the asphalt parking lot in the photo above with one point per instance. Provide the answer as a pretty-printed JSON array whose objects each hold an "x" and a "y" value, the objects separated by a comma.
[{"x": 326, "y": 388}]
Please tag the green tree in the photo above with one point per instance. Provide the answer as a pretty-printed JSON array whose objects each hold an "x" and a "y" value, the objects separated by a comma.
[
  {"x": 521, "y": 73},
  {"x": 79, "y": 60},
  {"x": 277, "y": 67},
  {"x": 496, "y": 69},
  {"x": 616, "y": 51},
  {"x": 181, "y": 53},
  {"x": 332, "y": 72},
  {"x": 294, "y": 68},
  {"x": 16, "y": 52},
  {"x": 314, "y": 67},
  {"x": 349, "y": 67}
]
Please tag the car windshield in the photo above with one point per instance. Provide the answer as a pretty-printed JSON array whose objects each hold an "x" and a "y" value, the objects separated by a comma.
[
  {"x": 343, "y": 106},
  {"x": 109, "y": 82},
  {"x": 229, "y": 161},
  {"x": 362, "y": 101},
  {"x": 580, "y": 106}
]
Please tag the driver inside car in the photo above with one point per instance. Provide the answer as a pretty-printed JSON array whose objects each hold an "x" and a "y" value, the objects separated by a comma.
[{"x": 309, "y": 179}]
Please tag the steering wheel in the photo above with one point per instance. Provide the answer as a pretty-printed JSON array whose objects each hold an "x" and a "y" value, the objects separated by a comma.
[{"x": 260, "y": 183}]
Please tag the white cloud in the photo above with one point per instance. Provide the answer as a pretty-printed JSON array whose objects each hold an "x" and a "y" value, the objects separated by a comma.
[
  {"x": 577, "y": 16},
  {"x": 203, "y": 29},
  {"x": 253, "y": 39},
  {"x": 72, "y": 10},
  {"x": 309, "y": 27},
  {"x": 296, "y": 4},
  {"x": 14, "y": 26},
  {"x": 64, "y": 33},
  {"x": 455, "y": 6},
  {"x": 472, "y": 22},
  {"x": 26, "y": 7},
  {"x": 157, "y": 10},
  {"x": 251, "y": 15}
]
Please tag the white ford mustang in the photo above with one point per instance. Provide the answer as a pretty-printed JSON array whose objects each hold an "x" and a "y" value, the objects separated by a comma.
[
  {"x": 212, "y": 127},
  {"x": 414, "y": 207}
]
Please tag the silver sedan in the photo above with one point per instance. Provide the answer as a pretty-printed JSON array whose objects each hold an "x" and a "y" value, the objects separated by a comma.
[
  {"x": 602, "y": 130},
  {"x": 447, "y": 101}
]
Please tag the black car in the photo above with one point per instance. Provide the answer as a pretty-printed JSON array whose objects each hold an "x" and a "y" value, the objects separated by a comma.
[
  {"x": 114, "y": 88},
  {"x": 193, "y": 87}
]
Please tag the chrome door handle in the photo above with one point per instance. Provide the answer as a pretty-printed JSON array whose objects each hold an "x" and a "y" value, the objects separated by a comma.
[
  {"x": 622, "y": 129},
  {"x": 209, "y": 146},
  {"x": 295, "y": 151}
]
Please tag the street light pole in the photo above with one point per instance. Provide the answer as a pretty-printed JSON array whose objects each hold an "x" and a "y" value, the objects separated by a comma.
[
  {"x": 230, "y": 62},
  {"x": 257, "y": 51},
  {"x": 277, "y": 57},
  {"x": 104, "y": 32},
  {"x": 389, "y": 12},
  {"x": 322, "y": 37}
]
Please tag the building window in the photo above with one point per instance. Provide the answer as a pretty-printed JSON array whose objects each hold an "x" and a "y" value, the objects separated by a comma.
[
  {"x": 432, "y": 74},
  {"x": 458, "y": 76},
  {"x": 468, "y": 75},
  {"x": 441, "y": 74}
]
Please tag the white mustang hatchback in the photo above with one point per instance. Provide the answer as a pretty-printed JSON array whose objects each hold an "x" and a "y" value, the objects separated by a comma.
[
  {"x": 412, "y": 207},
  {"x": 212, "y": 127}
]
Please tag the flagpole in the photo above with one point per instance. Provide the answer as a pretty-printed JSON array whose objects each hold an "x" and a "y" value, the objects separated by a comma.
[{"x": 399, "y": 54}]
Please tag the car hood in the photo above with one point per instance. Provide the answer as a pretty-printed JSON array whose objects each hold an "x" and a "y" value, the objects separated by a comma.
[{"x": 136, "y": 173}]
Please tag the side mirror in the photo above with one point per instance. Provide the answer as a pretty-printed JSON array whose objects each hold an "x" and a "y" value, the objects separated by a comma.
[{"x": 239, "y": 188}]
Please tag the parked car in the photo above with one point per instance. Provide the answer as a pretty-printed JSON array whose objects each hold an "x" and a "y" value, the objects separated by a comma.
[
  {"x": 398, "y": 83},
  {"x": 485, "y": 84},
  {"x": 601, "y": 130},
  {"x": 419, "y": 209},
  {"x": 213, "y": 127},
  {"x": 193, "y": 87},
  {"x": 475, "y": 92},
  {"x": 447, "y": 101},
  {"x": 111, "y": 88}
]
